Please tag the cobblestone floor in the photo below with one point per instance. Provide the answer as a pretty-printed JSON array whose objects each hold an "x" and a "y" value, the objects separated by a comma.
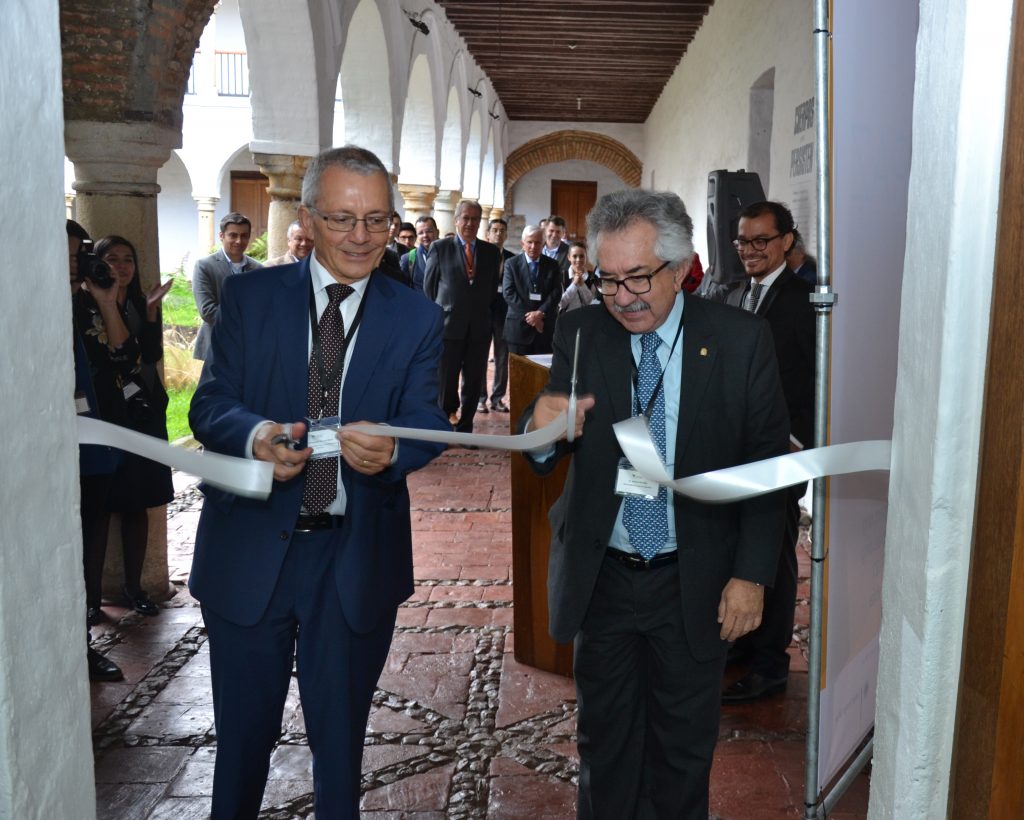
[{"x": 458, "y": 729}]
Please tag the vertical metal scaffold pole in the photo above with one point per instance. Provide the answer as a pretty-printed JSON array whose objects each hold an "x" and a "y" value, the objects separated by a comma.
[{"x": 823, "y": 300}]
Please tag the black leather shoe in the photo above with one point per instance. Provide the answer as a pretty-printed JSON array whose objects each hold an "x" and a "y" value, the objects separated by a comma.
[
  {"x": 499, "y": 406},
  {"x": 140, "y": 603},
  {"x": 753, "y": 687},
  {"x": 481, "y": 407},
  {"x": 93, "y": 615},
  {"x": 101, "y": 668}
]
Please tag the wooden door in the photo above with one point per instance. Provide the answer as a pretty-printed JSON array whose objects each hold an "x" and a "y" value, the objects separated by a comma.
[
  {"x": 572, "y": 200},
  {"x": 249, "y": 197}
]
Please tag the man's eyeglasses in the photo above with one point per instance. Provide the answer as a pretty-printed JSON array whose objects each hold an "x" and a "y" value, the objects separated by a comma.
[
  {"x": 758, "y": 243},
  {"x": 636, "y": 285},
  {"x": 343, "y": 223}
]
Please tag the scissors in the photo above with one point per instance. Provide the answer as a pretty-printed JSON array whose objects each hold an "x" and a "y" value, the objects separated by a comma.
[{"x": 570, "y": 432}]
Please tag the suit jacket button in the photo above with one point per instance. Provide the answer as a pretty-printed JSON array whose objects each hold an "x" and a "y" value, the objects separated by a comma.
[{"x": 284, "y": 535}]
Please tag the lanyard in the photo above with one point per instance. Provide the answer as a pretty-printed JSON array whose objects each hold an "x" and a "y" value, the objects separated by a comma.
[
  {"x": 657, "y": 386},
  {"x": 328, "y": 380}
]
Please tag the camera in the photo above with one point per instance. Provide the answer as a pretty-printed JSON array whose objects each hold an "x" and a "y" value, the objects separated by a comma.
[{"x": 92, "y": 268}]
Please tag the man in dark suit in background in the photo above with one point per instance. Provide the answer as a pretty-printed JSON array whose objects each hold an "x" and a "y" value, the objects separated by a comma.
[
  {"x": 532, "y": 288},
  {"x": 414, "y": 263},
  {"x": 497, "y": 233},
  {"x": 462, "y": 275},
  {"x": 211, "y": 271},
  {"x": 652, "y": 586},
  {"x": 555, "y": 247},
  {"x": 317, "y": 570},
  {"x": 764, "y": 237}
]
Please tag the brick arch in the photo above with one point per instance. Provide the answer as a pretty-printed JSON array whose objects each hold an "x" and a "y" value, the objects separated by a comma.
[
  {"x": 569, "y": 145},
  {"x": 128, "y": 61}
]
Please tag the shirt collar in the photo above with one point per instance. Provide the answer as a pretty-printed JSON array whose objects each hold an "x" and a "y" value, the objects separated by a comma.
[
  {"x": 234, "y": 265},
  {"x": 771, "y": 277},
  {"x": 321, "y": 278},
  {"x": 666, "y": 330}
]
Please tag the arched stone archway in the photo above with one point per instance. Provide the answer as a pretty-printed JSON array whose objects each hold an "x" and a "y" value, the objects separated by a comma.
[{"x": 570, "y": 145}]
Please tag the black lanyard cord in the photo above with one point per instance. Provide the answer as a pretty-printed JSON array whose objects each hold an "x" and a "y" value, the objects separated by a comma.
[{"x": 657, "y": 386}]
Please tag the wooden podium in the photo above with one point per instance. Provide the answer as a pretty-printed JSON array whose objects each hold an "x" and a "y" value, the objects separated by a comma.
[{"x": 532, "y": 497}]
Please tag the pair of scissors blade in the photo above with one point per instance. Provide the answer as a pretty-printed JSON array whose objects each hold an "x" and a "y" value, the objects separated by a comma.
[{"x": 570, "y": 429}]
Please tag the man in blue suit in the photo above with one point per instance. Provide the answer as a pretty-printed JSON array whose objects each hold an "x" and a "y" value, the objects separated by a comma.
[{"x": 318, "y": 570}]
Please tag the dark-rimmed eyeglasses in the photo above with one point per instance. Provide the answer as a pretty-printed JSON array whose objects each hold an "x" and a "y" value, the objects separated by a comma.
[
  {"x": 758, "y": 243},
  {"x": 343, "y": 223},
  {"x": 636, "y": 285}
]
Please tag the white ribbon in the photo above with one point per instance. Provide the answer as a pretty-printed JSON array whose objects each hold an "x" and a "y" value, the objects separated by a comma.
[
  {"x": 534, "y": 440},
  {"x": 241, "y": 476},
  {"x": 756, "y": 478}
]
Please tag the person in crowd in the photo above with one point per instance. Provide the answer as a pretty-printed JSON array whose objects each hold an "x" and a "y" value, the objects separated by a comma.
[
  {"x": 582, "y": 289},
  {"x": 96, "y": 396},
  {"x": 211, "y": 271},
  {"x": 299, "y": 245},
  {"x": 139, "y": 484},
  {"x": 393, "y": 228},
  {"x": 649, "y": 585},
  {"x": 406, "y": 238},
  {"x": 764, "y": 235},
  {"x": 315, "y": 573},
  {"x": 802, "y": 263},
  {"x": 461, "y": 277},
  {"x": 497, "y": 233},
  {"x": 532, "y": 288},
  {"x": 555, "y": 247},
  {"x": 414, "y": 263}
]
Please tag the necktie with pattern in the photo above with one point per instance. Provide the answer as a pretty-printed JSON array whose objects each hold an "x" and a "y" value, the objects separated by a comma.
[
  {"x": 753, "y": 297},
  {"x": 646, "y": 520},
  {"x": 322, "y": 474},
  {"x": 470, "y": 271}
]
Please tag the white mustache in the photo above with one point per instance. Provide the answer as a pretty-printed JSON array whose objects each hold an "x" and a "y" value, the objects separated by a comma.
[{"x": 632, "y": 307}]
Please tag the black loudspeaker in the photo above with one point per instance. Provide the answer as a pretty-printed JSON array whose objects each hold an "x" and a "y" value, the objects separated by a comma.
[{"x": 729, "y": 192}]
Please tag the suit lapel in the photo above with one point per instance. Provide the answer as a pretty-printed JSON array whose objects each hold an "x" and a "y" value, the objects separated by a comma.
[
  {"x": 293, "y": 337},
  {"x": 699, "y": 354},
  {"x": 773, "y": 291},
  {"x": 373, "y": 338}
]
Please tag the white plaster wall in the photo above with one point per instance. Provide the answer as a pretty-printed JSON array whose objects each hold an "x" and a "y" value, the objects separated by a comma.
[
  {"x": 46, "y": 766},
  {"x": 177, "y": 216},
  {"x": 531, "y": 194},
  {"x": 953, "y": 206},
  {"x": 701, "y": 121},
  {"x": 629, "y": 134}
]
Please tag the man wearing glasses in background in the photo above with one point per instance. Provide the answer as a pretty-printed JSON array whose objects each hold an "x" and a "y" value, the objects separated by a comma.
[
  {"x": 764, "y": 237},
  {"x": 317, "y": 571},
  {"x": 650, "y": 586}
]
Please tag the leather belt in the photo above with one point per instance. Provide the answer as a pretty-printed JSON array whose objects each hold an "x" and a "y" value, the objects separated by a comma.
[
  {"x": 635, "y": 561},
  {"x": 324, "y": 521}
]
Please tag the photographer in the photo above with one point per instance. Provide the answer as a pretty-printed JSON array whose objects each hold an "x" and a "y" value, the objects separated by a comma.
[
  {"x": 139, "y": 483},
  {"x": 96, "y": 396}
]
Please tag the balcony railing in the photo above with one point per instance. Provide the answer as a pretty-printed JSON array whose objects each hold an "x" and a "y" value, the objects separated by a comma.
[{"x": 232, "y": 74}]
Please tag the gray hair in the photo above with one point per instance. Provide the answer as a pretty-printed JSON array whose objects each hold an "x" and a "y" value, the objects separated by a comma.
[
  {"x": 530, "y": 229},
  {"x": 349, "y": 157},
  {"x": 662, "y": 209},
  {"x": 292, "y": 227},
  {"x": 468, "y": 203}
]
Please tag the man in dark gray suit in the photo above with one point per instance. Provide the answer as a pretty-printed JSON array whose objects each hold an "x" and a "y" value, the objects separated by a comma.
[
  {"x": 532, "y": 287},
  {"x": 211, "y": 271},
  {"x": 652, "y": 586},
  {"x": 462, "y": 276}
]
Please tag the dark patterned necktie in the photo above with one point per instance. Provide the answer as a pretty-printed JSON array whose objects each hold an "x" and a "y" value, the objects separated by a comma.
[
  {"x": 646, "y": 519},
  {"x": 322, "y": 474},
  {"x": 753, "y": 297}
]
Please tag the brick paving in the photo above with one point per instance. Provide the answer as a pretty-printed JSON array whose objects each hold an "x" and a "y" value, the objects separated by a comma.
[{"x": 458, "y": 729}]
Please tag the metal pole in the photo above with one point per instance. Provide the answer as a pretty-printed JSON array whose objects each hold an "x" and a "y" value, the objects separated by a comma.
[
  {"x": 823, "y": 299},
  {"x": 844, "y": 782}
]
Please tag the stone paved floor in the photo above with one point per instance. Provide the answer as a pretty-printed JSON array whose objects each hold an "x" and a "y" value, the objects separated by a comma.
[{"x": 459, "y": 729}]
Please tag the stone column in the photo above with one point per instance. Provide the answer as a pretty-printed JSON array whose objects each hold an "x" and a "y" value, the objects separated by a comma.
[
  {"x": 418, "y": 200},
  {"x": 285, "y": 172},
  {"x": 69, "y": 206},
  {"x": 485, "y": 210},
  {"x": 206, "y": 206},
  {"x": 115, "y": 185},
  {"x": 444, "y": 210}
]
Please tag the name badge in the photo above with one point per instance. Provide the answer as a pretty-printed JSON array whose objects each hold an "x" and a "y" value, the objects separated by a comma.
[
  {"x": 81, "y": 404},
  {"x": 323, "y": 437},
  {"x": 534, "y": 297},
  {"x": 628, "y": 482}
]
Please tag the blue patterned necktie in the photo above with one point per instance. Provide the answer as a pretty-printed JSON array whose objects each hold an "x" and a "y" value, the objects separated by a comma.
[{"x": 646, "y": 520}]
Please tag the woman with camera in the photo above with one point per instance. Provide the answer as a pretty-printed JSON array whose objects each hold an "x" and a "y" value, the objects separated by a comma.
[{"x": 138, "y": 483}]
